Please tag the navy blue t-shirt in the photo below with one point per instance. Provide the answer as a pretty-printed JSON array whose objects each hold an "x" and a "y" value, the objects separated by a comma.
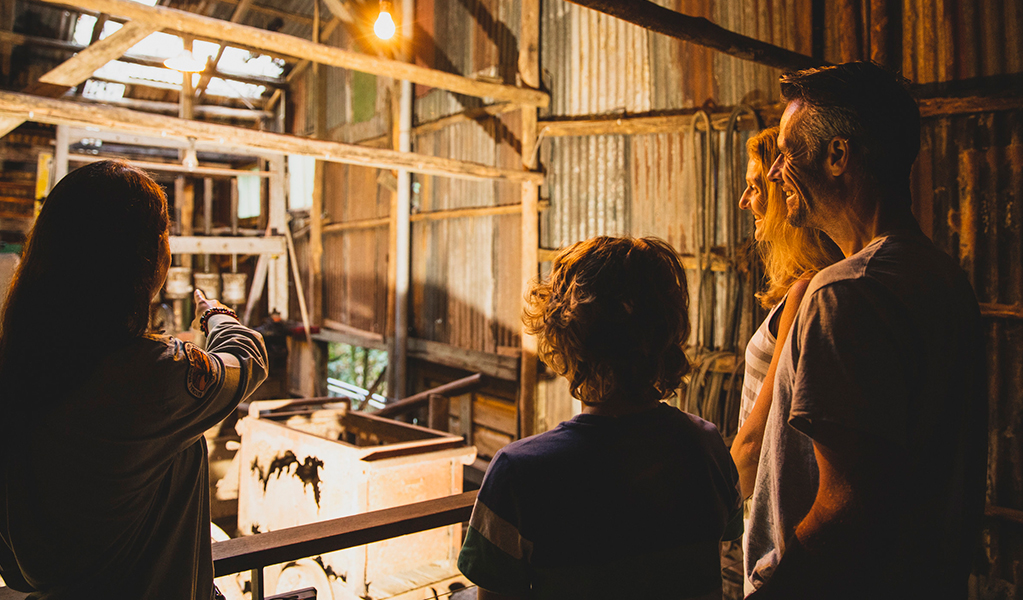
[{"x": 606, "y": 507}]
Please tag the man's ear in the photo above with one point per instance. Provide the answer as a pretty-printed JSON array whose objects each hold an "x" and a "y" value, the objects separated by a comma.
[{"x": 836, "y": 156}]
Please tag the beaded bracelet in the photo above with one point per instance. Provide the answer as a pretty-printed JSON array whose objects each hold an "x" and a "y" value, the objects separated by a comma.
[{"x": 216, "y": 310}]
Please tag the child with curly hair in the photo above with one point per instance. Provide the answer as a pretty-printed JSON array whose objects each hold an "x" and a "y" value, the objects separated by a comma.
[{"x": 631, "y": 498}]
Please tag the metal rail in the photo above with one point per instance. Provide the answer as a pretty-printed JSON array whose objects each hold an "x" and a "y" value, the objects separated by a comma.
[{"x": 252, "y": 553}]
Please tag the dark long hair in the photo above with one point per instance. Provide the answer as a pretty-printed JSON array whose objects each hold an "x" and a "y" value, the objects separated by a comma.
[{"x": 84, "y": 284}]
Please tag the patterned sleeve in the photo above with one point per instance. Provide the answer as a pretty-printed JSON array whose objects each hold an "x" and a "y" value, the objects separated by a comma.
[
  {"x": 205, "y": 388},
  {"x": 495, "y": 555}
]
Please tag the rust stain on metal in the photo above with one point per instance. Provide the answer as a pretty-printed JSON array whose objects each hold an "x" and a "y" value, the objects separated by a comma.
[{"x": 968, "y": 167}]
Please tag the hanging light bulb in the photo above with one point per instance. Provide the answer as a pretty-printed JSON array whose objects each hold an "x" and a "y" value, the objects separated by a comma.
[
  {"x": 384, "y": 27},
  {"x": 186, "y": 62}
]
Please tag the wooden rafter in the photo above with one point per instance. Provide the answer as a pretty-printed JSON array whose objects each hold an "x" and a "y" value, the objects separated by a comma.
[
  {"x": 699, "y": 30},
  {"x": 49, "y": 110},
  {"x": 207, "y": 75},
  {"x": 81, "y": 66},
  {"x": 149, "y": 61},
  {"x": 200, "y": 26}
]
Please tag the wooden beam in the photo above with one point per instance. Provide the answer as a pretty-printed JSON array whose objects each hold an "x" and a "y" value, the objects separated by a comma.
[
  {"x": 499, "y": 366},
  {"x": 458, "y": 386},
  {"x": 182, "y": 244},
  {"x": 81, "y": 66},
  {"x": 943, "y": 107},
  {"x": 1004, "y": 311},
  {"x": 200, "y": 26},
  {"x": 432, "y": 215},
  {"x": 207, "y": 74},
  {"x": 699, "y": 30},
  {"x": 324, "y": 34},
  {"x": 149, "y": 61},
  {"x": 340, "y": 10},
  {"x": 114, "y": 136},
  {"x": 529, "y": 71},
  {"x": 173, "y": 167},
  {"x": 647, "y": 124},
  {"x": 472, "y": 114},
  {"x": 207, "y": 110},
  {"x": 271, "y": 11},
  {"x": 48, "y": 110},
  {"x": 284, "y": 545}
]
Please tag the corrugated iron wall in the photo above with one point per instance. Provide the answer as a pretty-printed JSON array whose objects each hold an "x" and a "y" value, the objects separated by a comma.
[
  {"x": 969, "y": 198},
  {"x": 465, "y": 271}
]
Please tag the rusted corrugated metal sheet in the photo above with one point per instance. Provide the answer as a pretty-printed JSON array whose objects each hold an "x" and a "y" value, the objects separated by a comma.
[
  {"x": 355, "y": 261},
  {"x": 961, "y": 39},
  {"x": 464, "y": 271},
  {"x": 969, "y": 198}
]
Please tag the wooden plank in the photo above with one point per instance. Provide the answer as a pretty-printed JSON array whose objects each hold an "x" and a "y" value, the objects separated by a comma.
[
  {"x": 180, "y": 244},
  {"x": 9, "y": 124},
  {"x": 471, "y": 114},
  {"x": 457, "y": 386},
  {"x": 204, "y": 80},
  {"x": 488, "y": 441},
  {"x": 698, "y": 30},
  {"x": 207, "y": 110},
  {"x": 149, "y": 61},
  {"x": 494, "y": 365},
  {"x": 1007, "y": 514},
  {"x": 431, "y": 215},
  {"x": 81, "y": 66},
  {"x": 652, "y": 123},
  {"x": 689, "y": 261},
  {"x": 941, "y": 107},
  {"x": 273, "y": 12},
  {"x": 499, "y": 415},
  {"x": 340, "y": 10},
  {"x": 293, "y": 543},
  {"x": 198, "y": 25},
  {"x": 529, "y": 70},
  {"x": 48, "y": 110},
  {"x": 332, "y": 330},
  {"x": 1005, "y": 311},
  {"x": 172, "y": 167}
]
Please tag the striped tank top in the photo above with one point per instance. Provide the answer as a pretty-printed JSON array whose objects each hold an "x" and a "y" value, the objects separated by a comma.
[{"x": 759, "y": 351}]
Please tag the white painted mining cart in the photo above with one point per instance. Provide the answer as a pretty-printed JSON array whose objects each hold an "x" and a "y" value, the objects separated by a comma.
[{"x": 304, "y": 466}]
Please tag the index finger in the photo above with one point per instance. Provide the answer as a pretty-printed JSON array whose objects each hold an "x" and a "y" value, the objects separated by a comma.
[{"x": 199, "y": 295}]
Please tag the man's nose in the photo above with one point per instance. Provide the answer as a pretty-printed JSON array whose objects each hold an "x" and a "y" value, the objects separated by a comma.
[{"x": 774, "y": 174}]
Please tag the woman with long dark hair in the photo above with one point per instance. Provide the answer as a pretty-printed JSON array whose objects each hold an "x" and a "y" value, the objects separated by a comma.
[{"x": 104, "y": 487}]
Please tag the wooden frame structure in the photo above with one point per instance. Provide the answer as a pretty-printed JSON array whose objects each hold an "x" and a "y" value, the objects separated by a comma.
[{"x": 170, "y": 131}]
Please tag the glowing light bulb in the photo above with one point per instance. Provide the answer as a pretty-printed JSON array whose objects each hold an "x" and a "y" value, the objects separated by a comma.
[{"x": 384, "y": 27}]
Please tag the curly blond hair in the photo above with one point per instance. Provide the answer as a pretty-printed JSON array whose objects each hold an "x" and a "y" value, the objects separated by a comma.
[{"x": 613, "y": 318}]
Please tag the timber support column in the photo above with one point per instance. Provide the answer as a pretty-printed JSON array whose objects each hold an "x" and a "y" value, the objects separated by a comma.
[
  {"x": 529, "y": 71},
  {"x": 277, "y": 282}
]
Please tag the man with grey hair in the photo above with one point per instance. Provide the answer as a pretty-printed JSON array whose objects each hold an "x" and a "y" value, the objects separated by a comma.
[{"x": 872, "y": 472}]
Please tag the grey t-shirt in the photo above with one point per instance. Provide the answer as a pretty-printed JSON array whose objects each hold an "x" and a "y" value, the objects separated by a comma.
[
  {"x": 886, "y": 343},
  {"x": 109, "y": 495}
]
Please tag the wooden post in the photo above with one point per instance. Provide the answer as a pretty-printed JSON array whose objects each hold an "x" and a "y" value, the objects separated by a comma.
[
  {"x": 277, "y": 283},
  {"x": 398, "y": 363},
  {"x": 440, "y": 407},
  {"x": 60, "y": 155},
  {"x": 316, "y": 210},
  {"x": 529, "y": 70}
]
